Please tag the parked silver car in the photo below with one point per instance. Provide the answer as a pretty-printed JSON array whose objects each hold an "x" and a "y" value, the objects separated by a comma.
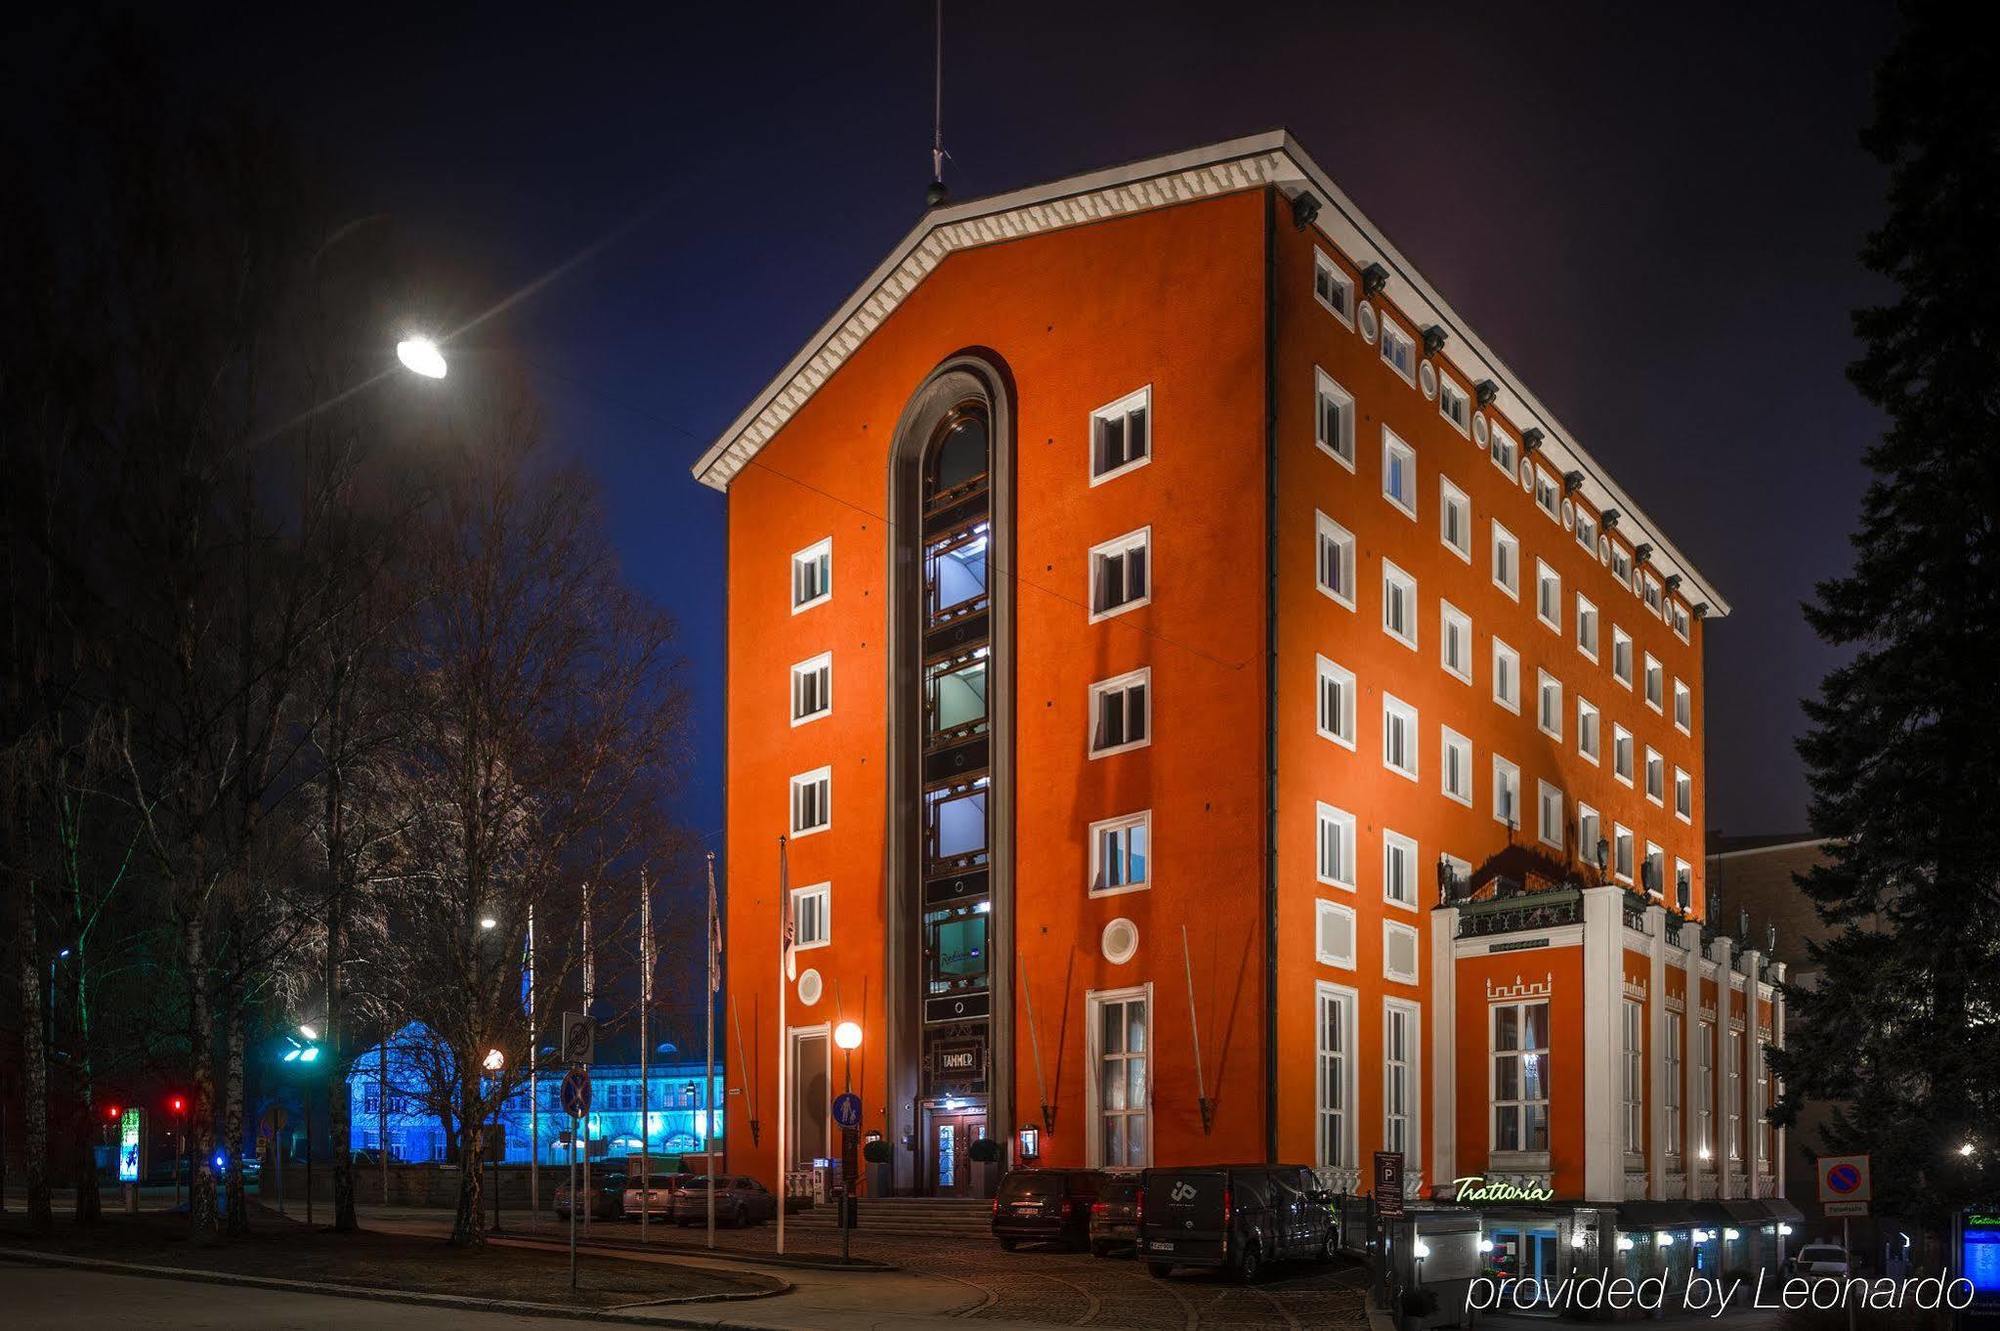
[
  {"x": 654, "y": 1196},
  {"x": 739, "y": 1200},
  {"x": 1820, "y": 1259}
]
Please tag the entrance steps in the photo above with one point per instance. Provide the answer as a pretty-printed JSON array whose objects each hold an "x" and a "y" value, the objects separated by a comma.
[{"x": 905, "y": 1217}]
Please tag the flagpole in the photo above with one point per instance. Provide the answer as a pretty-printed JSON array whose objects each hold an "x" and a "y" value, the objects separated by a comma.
[
  {"x": 645, "y": 1082},
  {"x": 589, "y": 992},
  {"x": 714, "y": 936},
  {"x": 784, "y": 1039},
  {"x": 534, "y": 1088}
]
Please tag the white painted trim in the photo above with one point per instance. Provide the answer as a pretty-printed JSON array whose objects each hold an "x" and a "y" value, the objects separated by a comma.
[
  {"x": 824, "y": 891},
  {"x": 1143, "y": 675},
  {"x": 1323, "y": 670},
  {"x": 823, "y": 546},
  {"x": 1325, "y": 385},
  {"x": 808, "y": 666},
  {"x": 1142, "y": 818},
  {"x": 792, "y": 804},
  {"x": 1350, "y": 1073},
  {"x": 1093, "y": 1002},
  {"x": 1400, "y": 929},
  {"x": 1138, "y": 397},
  {"x": 1140, "y": 538}
]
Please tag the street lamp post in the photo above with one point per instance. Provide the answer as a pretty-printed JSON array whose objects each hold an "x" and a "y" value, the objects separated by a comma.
[
  {"x": 304, "y": 1052},
  {"x": 496, "y": 1063},
  {"x": 848, "y": 1036}
]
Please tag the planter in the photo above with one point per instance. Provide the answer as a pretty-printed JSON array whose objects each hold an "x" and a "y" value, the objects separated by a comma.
[{"x": 986, "y": 1177}]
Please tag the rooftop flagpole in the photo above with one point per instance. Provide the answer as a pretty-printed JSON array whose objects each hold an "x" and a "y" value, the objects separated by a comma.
[
  {"x": 714, "y": 935},
  {"x": 784, "y": 1041}
]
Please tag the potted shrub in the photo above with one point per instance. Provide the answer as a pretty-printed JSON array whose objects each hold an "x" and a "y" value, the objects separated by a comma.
[
  {"x": 986, "y": 1166},
  {"x": 877, "y": 1156}
]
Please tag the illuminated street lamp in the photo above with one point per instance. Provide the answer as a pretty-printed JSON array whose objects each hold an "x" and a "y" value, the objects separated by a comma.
[
  {"x": 495, "y": 1060},
  {"x": 421, "y": 356},
  {"x": 304, "y": 1052},
  {"x": 848, "y": 1036},
  {"x": 488, "y": 922}
]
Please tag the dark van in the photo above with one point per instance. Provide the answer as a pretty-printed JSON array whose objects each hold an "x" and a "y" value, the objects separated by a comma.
[
  {"x": 1045, "y": 1206},
  {"x": 1238, "y": 1217}
]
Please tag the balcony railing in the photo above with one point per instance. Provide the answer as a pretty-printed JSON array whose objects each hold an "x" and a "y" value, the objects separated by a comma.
[{"x": 1548, "y": 909}]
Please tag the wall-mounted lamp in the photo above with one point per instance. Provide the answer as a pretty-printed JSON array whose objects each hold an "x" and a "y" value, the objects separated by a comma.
[
  {"x": 1434, "y": 340},
  {"x": 1374, "y": 279},
  {"x": 1673, "y": 582},
  {"x": 1487, "y": 392},
  {"x": 1531, "y": 439},
  {"x": 1642, "y": 553},
  {"x": 1305, "y": 207},
  {"x": 1572, "y": 482},
  {"x": 1701, "y": 610}
]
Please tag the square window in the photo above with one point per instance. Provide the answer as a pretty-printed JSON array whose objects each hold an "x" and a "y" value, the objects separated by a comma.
[
  {"x": 1588, "y": 739},
  {"x": 1121, "y": 574},
  {"x": 1121, "y": 713},
  {"x": 1336, "y": 703},
  {"x": 1454, "y": 405},
  {"x": 1121, "y": 435},
  {"x": 1621, "y": 753},
  {"x": 1506, "y": 561},
  {"x": 1399, "y": 605},
  {"x": 1399, "y": 350},
  {"x": 1548, "y": 596},
  {"x": 1549, "y": 815},
  {"x": 1677, "y": 615},
  {"x": 1655, "y": 683},
  {"x": 812, "y": 689},
  {"x": 1621, "y": 656},
  {"x": 812, "y": 916},
  {"x": 1455, "y": 761},
  {"x": 1454, "y": 519},
  {"x": 812, "y": 802},
  {"x": 1333, "y": 941},
  {"x": 1621, "y": 852},
  {"x": 1548, "y": 495},
  {"x": 1333, "y": 414},
  {"x": 1549, "y": 709},
  {"x": 1399, "y": 472},
  {"x": 1120, "y": 854},
  {"x": 1335, "y": 560},
  {"x": 1399, "y": 869},
  {"x": 1336, "y": 847},
  {"x": 1503, "y": 448},
  {"x": 1399, "y": 736},
  {"x": 1683, "y": 886},
  {"x": 1656, "y": 776},
  {"x": 1586, "y": 626},
  {"x": 1586, "y": 530},
  {"x": 1506, "y": 676},
  {"x": 1506, "y": 792},
  {"x": 1399, "y": 952},
  {"x": 1651, "y": 591},
  {"x": 1332, "y": 287},
  {"x": 1621, "y": 563},
  {"x": 1683, "y": 795},
  {"x": 1455, "y": 634},
  {"x": 1683, "y": 707},
  {"x": 1655, "y": 877},
  {"x": 812, "y": 575}
]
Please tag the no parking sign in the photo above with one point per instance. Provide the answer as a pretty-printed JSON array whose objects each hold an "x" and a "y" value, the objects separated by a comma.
[{"x": 1844, "y": 1185}]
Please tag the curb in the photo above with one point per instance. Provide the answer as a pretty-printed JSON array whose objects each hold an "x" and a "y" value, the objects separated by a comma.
[
  {"x": 464, "y": 1302},
  {"x": 790, "y": 1261}
]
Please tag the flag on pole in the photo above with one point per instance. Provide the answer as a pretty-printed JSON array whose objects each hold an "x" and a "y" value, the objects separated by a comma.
[
  {"x": 645, "y": 943},
  {"x": 714, "y": 934}
]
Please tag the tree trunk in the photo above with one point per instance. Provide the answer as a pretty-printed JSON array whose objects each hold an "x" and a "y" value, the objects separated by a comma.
[
  {"x": 339, "y": 1128},
  {"x": 238, "y": 1216},
  {"x": 204, "y": 1229},
  {"x": 34, "y": 1056},
  {"x": 468, "y": 1227},
  {"x": 89, "y": 1200}
]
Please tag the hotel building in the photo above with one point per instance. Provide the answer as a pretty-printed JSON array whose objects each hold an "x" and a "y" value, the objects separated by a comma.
[{"x": 1212, "y": 710}]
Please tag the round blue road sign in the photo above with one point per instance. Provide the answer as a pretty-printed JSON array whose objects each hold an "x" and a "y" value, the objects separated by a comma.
[
  {"x": 847, "y": 1110},
  {"x": 576, "y": 1092}
]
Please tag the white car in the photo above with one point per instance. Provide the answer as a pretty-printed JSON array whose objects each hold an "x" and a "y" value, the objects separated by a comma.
[{"x": 1820, "y": 1259}]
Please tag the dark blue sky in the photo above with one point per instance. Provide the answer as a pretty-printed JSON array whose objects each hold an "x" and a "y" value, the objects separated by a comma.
[{"x": 1651, "y": 213}]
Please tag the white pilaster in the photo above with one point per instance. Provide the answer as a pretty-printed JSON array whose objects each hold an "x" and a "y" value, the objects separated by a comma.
[
  {"x": 1443, "y": 1017},
  {"x": 1603, "y": 1008},
  {"x": 1691, "y": 1059},
  {"x": 1656, "y": 1051}
]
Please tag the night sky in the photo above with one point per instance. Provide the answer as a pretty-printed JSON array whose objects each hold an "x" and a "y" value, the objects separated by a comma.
[{"x": 1651, "y": 213}]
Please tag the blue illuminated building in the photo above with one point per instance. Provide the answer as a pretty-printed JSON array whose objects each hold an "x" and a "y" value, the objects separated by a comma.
[{"x": 678, "y": 1114}]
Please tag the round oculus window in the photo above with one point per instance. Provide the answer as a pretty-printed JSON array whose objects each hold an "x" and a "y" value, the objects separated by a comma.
[
  {"x": 1427, "y": 378},
  {"x": 811, "y": 987},
  {"x": 1479, "y": 435},
  {"x": 1365, "y": 317},
  {"x": 1120, "y": 941}
]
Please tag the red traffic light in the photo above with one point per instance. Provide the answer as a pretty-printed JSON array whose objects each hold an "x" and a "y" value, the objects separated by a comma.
[
  {"x": 178, "y": 1104},
  {"x": 111, "y": 1112}
]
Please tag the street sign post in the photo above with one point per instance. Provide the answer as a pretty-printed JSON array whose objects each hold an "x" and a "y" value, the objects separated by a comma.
[
  {"x": 579, "y": 1038},
  {"x": 575, "y": 1103},
  {"x": 847, "y": 1114},
  {"x": 1845, "y": 1189},
  {"x": 1389, "y": 1185}
]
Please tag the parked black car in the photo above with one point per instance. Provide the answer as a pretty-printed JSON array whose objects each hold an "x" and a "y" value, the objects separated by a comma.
[
  {"x": 1114, "y": 1216},
  {"x": 739, "y": 1201},
  {"x": 1046, "y": 1206},
  {"x": 1237, "y": 1217}
]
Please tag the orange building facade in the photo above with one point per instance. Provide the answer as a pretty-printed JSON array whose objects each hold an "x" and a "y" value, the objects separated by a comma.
[{"x": 1188, "y": 702}]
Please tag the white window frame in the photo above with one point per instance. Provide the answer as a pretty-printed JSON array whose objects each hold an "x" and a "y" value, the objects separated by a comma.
[
  {"x": 1451, "y": 617},
  {"x": 1624, "y": 754},
  {"x": 1683, "y": 794},
  {"x": 1396, "y": 841},
  {"x": 1589, "y": 831},
  {"x": 1586, "y": 618},
  {"x": 1451, "y": 396},
  {"x": 1678, "y": 618},
  {"x": 1683, "y": 706},
  {"x": 1410, "y": 1069},
  {"x": 1095, "y": 1001},
  {"x": 1547, "y": 494},
  {"x": 823, "y": 894},
  {"x": 1547, "y": 795},
  {"x": 1656, "y": 854},
  {"x": 1589, "y": 731},
  {"x": 821, "y": 665},
  {"x": 819, "y": 775},
  {"x": 1325, "y": 263},
  {"x": 1652, "y": 595},
  {"x": 1141, "y": 540},
  {"x": 1119, "y": 683},
  {"x": 1624, "y": 852},
  {"x": 1507, "y": 698},
  {"x": 1653, "y": 687},
  {"x": 1345, "y": 1004},
  {"x": 1656, "y": 767},
  {"x": 1142, "y": 820},
  {"x": 1450, "y": 741},
  {"x": 1398, "y": 345},
  {"x": 1452, "y": 500},
  {"x": 1586, "y": 529},
  {"x": 1548, "y": 603},
  {"x": 1504, "y": 540},
  {"x": 1395, "y": 448},
  {"x": 1392, "y": 706},
  {"x": 1523, "y": 1146},
  {"x": 1670, "y": 1082},
  {"x": 1548, "y": 687},
  {"x": 1621, "y": 639},
  {"x": 1343, "y": 824},
  {"x": 1342, "y": 676},
  {"x": 1704, "y": 1083},
  {"x": 1632, "y": 1053},
  {"x": 1397, "y": 929},
  {"x": 1506, "y": 777},
  {"x": 1326, "y": 388},
  {"x": 1326, "y": 531},
  {"x": 1321, "y": 909},
  {"x": 1503, "y": 448},
  {"x": 818, "y": 551},
  {"x": 1138, "y": 399},
  {"x": 1399, "y": 588}
]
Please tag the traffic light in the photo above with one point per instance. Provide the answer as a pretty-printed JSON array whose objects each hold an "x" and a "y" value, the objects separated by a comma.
[
  {"x": 111, "y": 1112},
  {"x": 178, "y": 1104}
]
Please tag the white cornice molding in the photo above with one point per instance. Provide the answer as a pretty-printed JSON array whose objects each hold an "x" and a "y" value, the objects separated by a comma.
[{"x": 1256, "y": 161}]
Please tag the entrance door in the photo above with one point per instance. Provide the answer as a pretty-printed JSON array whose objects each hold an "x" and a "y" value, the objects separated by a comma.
[
  {"x": 1529, "y": 1255},
  {"x": 949, "y": 1151}
]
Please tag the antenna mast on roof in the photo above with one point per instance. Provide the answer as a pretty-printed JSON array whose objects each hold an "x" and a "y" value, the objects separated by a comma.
[{"x": 935, "y": 194}]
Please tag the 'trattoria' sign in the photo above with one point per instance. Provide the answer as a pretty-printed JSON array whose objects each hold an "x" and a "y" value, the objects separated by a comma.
[{"x": 1479, "y": 1188}]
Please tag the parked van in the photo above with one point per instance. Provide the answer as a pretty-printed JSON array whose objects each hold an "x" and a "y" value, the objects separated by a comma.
[{"x": 1237, "y": 1217}]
